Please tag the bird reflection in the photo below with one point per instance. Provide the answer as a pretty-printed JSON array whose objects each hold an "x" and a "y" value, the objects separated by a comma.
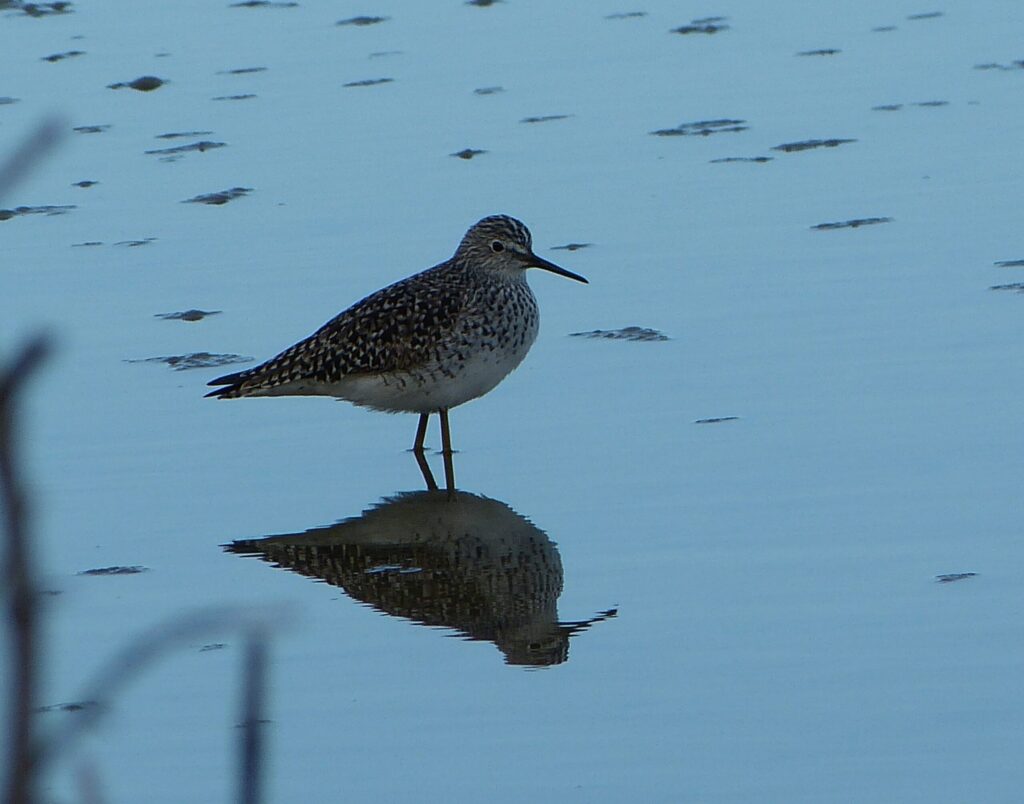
[{"x": 442, "y": 558}]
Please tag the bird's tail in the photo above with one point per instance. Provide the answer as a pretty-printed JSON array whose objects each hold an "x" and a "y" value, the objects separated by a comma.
[{"x": 232, "y": 385}]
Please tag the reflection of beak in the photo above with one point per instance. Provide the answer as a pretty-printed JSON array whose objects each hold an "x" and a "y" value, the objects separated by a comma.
[{"x": 533, "y": 261}]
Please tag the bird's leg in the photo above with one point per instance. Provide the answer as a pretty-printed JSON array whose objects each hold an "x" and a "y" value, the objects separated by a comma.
[
  {"x": 421, "y": 433},
  {"x": 446, "y": 450}
]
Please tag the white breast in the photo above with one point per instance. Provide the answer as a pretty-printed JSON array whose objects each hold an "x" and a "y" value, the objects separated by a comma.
[{"x": 437, "y": 385}]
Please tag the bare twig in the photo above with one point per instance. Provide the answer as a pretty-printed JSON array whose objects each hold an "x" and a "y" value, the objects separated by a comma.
[
  {"x": 141, "y": 652},
  {"x": 26, "y": 156},
  {"x": 28, "y": 753},
  {"x": 20, "y": 580}
]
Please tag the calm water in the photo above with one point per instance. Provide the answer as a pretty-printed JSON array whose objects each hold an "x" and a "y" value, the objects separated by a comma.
[{"x": 780, "y": 633}]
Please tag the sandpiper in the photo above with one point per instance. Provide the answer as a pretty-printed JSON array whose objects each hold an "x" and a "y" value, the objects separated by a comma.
[{"x": 425, "y": 344}]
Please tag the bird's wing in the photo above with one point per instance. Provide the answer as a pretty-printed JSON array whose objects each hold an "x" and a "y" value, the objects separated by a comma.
[{"x": 394, "y": 329}]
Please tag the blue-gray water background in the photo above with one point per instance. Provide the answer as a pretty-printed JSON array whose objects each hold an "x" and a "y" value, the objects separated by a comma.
[{"x": 781, "y": 635}]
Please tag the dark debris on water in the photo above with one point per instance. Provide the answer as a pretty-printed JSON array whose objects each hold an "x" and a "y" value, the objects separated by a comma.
[
  {"x": 468, "y": 153},
  {"x": 806, "y": 145},
  {"x": 187, "y": 315},
  {"x": 760, "y": 159},
  {"x": 1013, "y": 287},
  {"x": 1009, "y": 264},
  {"x": 202, "y": 147},
  {"x": 264, "y": 4},
  {"x": 362, "y": 21},
  {"x": 48, "y": 209},
  {"x": 175, "y": 135},
  {"x": 72, "y": 706},
  {"x": 37, "y": 9},
  {"x": 67, "y": 54},
  {"x": 368, "y": 82},
  {"x": 219, "y": 198},
  {"x": 116, "y": 570},
  {"x": 824, "y": 51},
  {"x": 717, "y": 420},
  {"x": 624, "y": 334},
  {"x": 626, "y": 15},
  {"x": 702, "y": 128},
  {"x": 245, "y": 96},
  {"x": 546, "y": 118},
  {"x": 1013, "y": 65},
  {"x": 955, "y": 576},
  {"x": 851, "y": 224},
  {"x": 145, "y": 83},
  {"x": 195, "y": 360},
  {"x": 488, "y": 90},
  {"x": 571, "y": 247},
  {"x": 704, "y": 25},
  {"x": 91, "y": 129},
  {"x": 895, "y": 107}
]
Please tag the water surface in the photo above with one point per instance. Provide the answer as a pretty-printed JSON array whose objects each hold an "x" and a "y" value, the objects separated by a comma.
[{"x": 767, "y": 498}]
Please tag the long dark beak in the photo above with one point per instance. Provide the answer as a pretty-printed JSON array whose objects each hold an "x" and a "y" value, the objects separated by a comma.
[{"x": 533, "y": 261}]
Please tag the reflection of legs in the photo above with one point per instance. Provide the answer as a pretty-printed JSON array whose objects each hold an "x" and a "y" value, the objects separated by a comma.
[
  {"x": 421, "y": 459},
  {"x": 446, "y": 450},
  {"x": 428, "y": 476},
  {"x": 421, "y": 433}
]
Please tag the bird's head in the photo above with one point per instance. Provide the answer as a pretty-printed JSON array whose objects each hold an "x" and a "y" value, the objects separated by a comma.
[{"x": 502, "y": 243}]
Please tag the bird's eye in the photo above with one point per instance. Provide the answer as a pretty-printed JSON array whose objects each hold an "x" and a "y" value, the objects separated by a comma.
[{"x": 497, "y": 245}]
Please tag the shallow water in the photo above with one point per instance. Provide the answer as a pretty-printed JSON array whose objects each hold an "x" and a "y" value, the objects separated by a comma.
[{"x": 767, "y": 498}]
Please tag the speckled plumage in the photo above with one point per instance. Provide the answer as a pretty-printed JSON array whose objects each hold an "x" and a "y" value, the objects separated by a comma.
[{"x": 425, "y": 344}]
